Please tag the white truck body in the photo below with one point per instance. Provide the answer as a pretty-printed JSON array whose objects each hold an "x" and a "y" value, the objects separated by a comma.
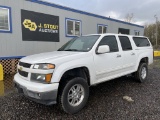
[{"x": 101, "y": 67}]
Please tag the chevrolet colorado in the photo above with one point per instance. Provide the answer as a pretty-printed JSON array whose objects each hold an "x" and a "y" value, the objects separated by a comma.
[{"x": 64, "y": 76}]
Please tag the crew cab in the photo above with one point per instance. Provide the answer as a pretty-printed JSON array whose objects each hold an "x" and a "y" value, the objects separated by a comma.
[{"x": 64, "y": 76}]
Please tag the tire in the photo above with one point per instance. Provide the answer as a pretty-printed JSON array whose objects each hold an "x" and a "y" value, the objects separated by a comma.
[
  {"x": 142, "y": 73},
  {"x": 70, "y": 100}
]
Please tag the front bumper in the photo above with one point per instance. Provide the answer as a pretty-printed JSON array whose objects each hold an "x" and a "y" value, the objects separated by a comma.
[{"x": 39, "y": 94}]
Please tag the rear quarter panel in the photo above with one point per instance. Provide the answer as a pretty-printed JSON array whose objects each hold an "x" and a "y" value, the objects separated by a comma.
[{"x": 143, "y": 52}]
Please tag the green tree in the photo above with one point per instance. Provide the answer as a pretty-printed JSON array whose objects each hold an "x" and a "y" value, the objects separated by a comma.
[{"x": 150, "y": 32}]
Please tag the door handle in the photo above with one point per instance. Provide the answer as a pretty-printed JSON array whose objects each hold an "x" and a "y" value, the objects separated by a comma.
[
  {"x": 118, "y": 55},
  {"x": 132, "y": 53}
]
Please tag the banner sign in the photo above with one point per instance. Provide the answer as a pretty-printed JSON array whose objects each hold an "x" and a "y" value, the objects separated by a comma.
[{"x": 39, "y": 26}]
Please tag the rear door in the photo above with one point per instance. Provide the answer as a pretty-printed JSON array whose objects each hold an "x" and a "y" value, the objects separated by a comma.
[
  {"x": 108, "y": 65},
  {"x": 129, "y": 54}
]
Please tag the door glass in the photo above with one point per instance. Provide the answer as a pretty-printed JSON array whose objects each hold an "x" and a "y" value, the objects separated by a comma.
[
  {"x": 111, "y": 42},
  {"x": 125, "y": 43}
]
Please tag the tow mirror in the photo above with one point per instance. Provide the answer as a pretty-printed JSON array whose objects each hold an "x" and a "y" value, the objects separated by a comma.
[{"x": 103, "y": 49}]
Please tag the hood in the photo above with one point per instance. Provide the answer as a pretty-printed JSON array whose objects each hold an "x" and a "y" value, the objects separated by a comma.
[{"x": 52, "y": 57}]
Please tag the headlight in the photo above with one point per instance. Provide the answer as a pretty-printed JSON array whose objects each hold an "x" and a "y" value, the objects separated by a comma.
[
  {"x": 44, "y": 66},
  {"x": 41, "y": 77}
]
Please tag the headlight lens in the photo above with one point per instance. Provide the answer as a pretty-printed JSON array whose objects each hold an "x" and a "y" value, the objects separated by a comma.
[
  {"x": 41, "y": 77},
  {"x": 44, "y": 66}
]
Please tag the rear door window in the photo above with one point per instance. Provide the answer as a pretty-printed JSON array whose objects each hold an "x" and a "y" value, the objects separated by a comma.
[
  {"x": 125, "y": 43},
  {"x": 141, "y": 42}
]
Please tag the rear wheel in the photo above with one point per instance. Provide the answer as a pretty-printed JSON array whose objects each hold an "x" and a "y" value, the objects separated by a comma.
[
  {"x": 74, "y": 95},
  {"x": 142, "y": 72}
]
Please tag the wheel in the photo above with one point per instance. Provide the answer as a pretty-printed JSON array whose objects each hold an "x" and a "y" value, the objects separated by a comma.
[
  {"x": 142, "y": 72},
  {"x": 74, "y": 95}
]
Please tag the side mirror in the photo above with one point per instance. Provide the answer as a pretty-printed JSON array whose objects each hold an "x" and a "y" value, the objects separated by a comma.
[{"x": 103, "y": 49}]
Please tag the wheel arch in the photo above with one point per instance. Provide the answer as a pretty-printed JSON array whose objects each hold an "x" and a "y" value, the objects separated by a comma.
[
  {"x": 76, "y": 72},
  {"x": 71, "y": 73},
  {"x": 143, "y": 60}
]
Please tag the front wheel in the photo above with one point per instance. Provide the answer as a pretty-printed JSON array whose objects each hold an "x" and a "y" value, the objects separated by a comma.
[
  {"x": 142, "y": 72},
  {"x": 74, "y": 95}
]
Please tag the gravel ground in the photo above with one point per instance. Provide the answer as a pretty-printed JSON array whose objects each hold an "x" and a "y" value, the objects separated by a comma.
[{"x": 105, "y": 102}]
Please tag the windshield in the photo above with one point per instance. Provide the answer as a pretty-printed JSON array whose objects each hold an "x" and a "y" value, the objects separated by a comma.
[{"x": 82, "y": 44}]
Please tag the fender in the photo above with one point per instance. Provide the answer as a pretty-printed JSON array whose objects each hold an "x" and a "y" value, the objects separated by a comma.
[{"x": 83, "y": 62}]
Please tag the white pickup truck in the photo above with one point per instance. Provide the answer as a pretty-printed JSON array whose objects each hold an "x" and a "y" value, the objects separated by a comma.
[{"x": 64, "y": 76}]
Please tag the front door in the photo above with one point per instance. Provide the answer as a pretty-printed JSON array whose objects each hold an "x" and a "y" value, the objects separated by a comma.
[{"x": 108, "y": 65}]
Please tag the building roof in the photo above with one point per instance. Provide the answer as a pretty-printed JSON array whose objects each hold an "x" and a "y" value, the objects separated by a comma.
[{"x": 81, "y": 12}]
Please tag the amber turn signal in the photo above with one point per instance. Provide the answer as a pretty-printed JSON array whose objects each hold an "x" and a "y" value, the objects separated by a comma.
[
  {"x": 48, "y": 78},
  {"x": 50, "y": 66}
]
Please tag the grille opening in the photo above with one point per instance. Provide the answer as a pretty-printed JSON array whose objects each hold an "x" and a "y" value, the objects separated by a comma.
[
  {"x": 26, "y": 65},
  {"x": 23, "y": 73}
]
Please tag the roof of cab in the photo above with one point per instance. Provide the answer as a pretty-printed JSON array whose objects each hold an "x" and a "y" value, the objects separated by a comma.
[{"x": 115, "y": 34}]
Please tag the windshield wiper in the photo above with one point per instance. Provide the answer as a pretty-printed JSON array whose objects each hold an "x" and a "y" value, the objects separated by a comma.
[{"x": 71, "y": 50}]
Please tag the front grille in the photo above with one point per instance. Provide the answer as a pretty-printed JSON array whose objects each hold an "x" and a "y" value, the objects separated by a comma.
[
  {"x": 26, "y": 65},
  {"x": 23, "y": 73}
]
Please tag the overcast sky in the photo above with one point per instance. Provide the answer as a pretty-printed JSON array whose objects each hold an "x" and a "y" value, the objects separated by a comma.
[{"x": 143, "y": 10}]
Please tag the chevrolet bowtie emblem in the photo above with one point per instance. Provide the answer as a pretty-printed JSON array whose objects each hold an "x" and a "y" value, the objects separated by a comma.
[{"x": 21, "y": 68}]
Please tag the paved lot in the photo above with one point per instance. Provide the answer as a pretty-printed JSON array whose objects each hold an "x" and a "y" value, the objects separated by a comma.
[{"x": 105, "y": 102}]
